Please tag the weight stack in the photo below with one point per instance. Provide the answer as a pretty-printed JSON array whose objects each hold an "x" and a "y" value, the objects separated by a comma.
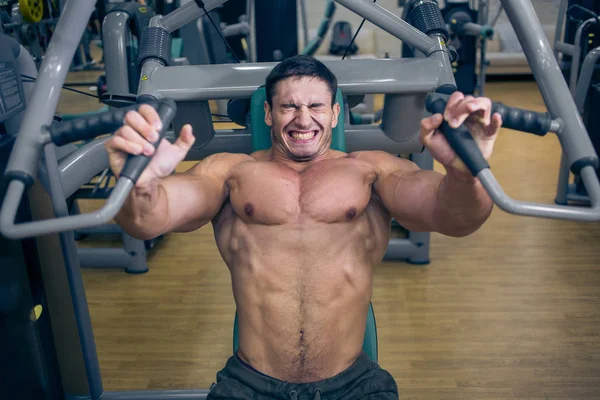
[{"x": 276, "y": 29}]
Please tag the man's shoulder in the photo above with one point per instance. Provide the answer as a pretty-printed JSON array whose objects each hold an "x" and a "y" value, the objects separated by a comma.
[
  {"x": 382, "y": 160},
  {"x": 220, "y": 163},
  {"x": 260, "y": 155},
  {"x": 227, "y": 158},
  {"x": 373, "y": 156}
]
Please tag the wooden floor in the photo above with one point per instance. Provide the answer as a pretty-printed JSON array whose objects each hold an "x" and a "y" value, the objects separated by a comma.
[{"x": 511, "y": 312}]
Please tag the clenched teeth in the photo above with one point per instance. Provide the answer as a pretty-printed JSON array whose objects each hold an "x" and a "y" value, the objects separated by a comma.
[{"x": 303, "y": 136}]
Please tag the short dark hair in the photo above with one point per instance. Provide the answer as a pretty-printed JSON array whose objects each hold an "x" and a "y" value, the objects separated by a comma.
[{"x": 299, "y": 66}]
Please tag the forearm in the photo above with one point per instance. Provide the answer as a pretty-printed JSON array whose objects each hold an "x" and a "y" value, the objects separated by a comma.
[
  {"x": 145, "y": 213},
  {"x": 462, "y": 205}
]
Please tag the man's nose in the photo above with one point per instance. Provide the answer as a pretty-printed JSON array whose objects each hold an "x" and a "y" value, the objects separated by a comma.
[{"x": 303, "y": 116}]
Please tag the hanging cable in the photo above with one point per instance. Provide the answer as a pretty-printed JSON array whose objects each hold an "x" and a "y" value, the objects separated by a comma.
[
  {"x": 218, "y": 31},
  {"x": 355, "y": 35},
  {"x": 32, "y": 79}
]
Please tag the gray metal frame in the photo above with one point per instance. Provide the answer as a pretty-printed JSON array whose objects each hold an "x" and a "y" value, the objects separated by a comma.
[
  {"x": 115, "y": 39},
  {"x": 131, "y": 257},
  {"x": 32, "y": 138}
]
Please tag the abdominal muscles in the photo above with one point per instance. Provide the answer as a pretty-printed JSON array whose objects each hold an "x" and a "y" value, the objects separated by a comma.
[
  {"x": 302, "y": 290},
  {"x": 301, "y": 249}
]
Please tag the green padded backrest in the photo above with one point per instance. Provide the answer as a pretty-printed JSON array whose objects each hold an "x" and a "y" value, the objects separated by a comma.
[{"x": 261, "y": 133}]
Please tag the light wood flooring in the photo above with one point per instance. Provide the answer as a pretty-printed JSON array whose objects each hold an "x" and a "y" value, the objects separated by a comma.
[{"x": 510, "y": 312}]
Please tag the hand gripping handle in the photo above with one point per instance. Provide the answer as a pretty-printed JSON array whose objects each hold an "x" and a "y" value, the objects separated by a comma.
[
  {"x": 135, "y": 165},
  {"x": 459, "y": 139}
]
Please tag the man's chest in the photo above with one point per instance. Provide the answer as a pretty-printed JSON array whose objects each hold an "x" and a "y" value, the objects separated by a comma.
[{"x": 330, "y": 191}]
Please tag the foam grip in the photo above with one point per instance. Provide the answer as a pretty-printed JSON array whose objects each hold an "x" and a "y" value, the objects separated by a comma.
[
  {"x": 135, "y": 165},
  {"x": 426, "y": 16},
  {"x": 460, "y": 139},
  {"x": 88, "y": 126},
  {"x": 518, "y": 119}
]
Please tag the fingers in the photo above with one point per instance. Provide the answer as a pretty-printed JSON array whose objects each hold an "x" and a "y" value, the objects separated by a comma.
[
  {"x": 460, "y": 107},
  {"x": 185, "y": 140},
  {"x": 140, "y": 125},
  {"x": 432, "y": 122},
  {"x": 429, "y": 126},
  {"x": 129, "y": 134},
  {"x": 140, "y": 130},
  {"x": 119, "y": 144},
  {"x": 459, "y": 111},
  {"x": 451, "y": 104},
  {"x": 482, "y": 106},
  {"x": 151, "y": 115},
  {"x": 495, "y": 124}
]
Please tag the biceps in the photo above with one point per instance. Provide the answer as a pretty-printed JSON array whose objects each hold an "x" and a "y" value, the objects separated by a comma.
[
  {"x": 193, "y": 202},
  {"x": 411, "y": 198}
]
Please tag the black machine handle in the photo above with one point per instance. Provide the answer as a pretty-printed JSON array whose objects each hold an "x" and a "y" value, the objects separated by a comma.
[
  {"x": 519, "y": 119},
  {"x": 459, "y": 139},
  {"x": 464, "y": 145},
  {"x": 90, "y": 126}
]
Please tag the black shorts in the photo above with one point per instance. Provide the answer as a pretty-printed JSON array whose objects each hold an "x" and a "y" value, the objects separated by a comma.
[{"x": 363, "y": 380}]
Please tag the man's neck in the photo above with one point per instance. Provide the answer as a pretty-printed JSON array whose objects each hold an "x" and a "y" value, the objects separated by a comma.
[{"x": 298, "y": 165}]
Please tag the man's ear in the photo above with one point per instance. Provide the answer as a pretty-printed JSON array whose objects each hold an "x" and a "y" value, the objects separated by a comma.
[
  {"x": 336, "y": 114},
  {"x": 268, "y": 115}
]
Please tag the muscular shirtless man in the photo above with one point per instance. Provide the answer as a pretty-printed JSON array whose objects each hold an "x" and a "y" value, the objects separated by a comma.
[{"x": 301, "y": 228}]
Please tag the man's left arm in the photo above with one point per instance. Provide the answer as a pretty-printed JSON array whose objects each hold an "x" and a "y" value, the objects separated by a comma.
[{"x": 455, "y": 204}]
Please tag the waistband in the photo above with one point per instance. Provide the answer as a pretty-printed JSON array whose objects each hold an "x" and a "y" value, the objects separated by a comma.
[{"x": 267, "y": 385}]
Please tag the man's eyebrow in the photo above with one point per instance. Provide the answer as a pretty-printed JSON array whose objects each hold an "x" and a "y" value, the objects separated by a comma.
[{"x": 310, "y": 103}]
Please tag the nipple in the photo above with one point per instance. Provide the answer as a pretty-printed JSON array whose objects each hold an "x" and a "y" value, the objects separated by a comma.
[
  {"x": 249, "y": 209},
  {"x": 351, "y": 213}
]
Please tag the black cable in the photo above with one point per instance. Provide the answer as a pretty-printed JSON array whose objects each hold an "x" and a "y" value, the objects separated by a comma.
[
  {"x": 32, "y": 79},
  {"x": 220, "y": 33},
  {"x": 79, "y": 91},
  {"x": 583, "y": 10},
  {"x": 355, "y": 35}
]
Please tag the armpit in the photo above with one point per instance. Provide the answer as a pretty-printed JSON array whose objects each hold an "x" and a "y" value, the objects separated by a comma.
[{"x": 376, "y": 200}]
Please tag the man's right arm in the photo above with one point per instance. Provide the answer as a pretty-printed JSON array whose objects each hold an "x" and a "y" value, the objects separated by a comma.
[{"x": 181, "y": 202}]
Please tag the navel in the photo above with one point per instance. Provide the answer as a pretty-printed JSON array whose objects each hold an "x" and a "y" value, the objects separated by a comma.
[
  {"x": 249, "y": 209},
  {"x": 351, "y": 213}
]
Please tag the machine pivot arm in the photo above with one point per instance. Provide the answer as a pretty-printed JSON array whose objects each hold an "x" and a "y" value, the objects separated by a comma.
[
  {"x": 464, "y": 145},
  {"x": 134, "y": 167}
]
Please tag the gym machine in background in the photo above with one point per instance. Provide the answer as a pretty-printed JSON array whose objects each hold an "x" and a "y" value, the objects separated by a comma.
[
  {"x": 468, "y": 29},
  {"x": 122, "y": 29},
  {"x": 578, "y": 53},
  {"x": 31, "y": 23},
  {"x": 275, "y": 29}
]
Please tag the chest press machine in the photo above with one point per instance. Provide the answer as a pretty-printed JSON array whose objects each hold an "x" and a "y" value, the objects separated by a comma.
[{"x": 412, "y": 87}]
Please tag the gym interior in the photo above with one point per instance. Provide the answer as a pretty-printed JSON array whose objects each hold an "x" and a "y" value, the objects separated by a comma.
[{"x": 511, "y": 311}]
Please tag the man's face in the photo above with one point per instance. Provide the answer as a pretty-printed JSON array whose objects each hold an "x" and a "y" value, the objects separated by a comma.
[{"x": 302, "y": 118}]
